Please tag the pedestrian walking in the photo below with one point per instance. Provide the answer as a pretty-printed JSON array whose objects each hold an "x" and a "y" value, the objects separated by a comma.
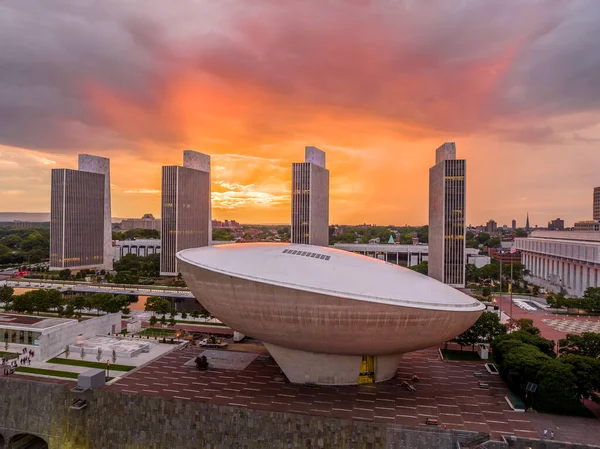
[
  {"x": 545, "y": 434},
  {"x": 552, "y": 434}
]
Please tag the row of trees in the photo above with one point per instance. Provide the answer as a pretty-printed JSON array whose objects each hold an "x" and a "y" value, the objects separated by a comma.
[
  {"x": 161, "y": 307},
  {"x": 18, "y": 245},
  {"x": 130, "y": 268},
  {"x": 524, "y": 357},
  {"x": 365, "y": 233},
  {"x": 590, "y": 301},
  {"x": 42, "y": 301},
  {"x": 136, "y": 234}
]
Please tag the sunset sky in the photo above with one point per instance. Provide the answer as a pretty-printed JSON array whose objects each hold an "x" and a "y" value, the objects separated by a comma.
[{"x": 378, "y": 85}]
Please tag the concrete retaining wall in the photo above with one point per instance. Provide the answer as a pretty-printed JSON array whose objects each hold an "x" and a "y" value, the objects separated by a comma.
[{"x": 116, "y": 420}]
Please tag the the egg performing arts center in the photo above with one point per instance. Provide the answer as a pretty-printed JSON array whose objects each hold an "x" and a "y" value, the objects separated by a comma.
[{"x": 326, "y": 316}]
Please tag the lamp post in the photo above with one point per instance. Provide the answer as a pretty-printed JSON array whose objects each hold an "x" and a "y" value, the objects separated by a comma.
[{"x": 107, "y": 369}]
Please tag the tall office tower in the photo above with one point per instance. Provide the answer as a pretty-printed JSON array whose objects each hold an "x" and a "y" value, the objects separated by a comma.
[
  {"x": 80, "y": 232},
  {"x": 101, "y": 165},
  {"x": 447, "y": 210},
  {"x": 310, "y": 199},
  {"x": 597, "y": 203},
  {"x": 186, "y": 208},
  {"x": 527, "y": 228},
  {"x": 514, "y": 225}
]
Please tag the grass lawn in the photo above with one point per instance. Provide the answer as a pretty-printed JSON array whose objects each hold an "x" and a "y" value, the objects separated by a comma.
[
  {"x": 467, "y": 355},
  {"x": 157, "y": 332},
  {"x": 47, "y": 372},
  {"x": 8, "y": 355},
  {"x": 100, "y": 365}
]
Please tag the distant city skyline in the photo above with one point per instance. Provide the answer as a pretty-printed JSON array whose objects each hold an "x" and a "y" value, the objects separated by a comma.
[{"x": 516, "y": 102}]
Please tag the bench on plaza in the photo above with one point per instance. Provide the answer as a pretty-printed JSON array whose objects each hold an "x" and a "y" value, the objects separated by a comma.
[
  {"x": 491, "y": 368},
  {"x": 484, "y": 385},
  {"x": 408, "y": 386},
  {"x": 478, "y": 374},
  {"x": 79, "y": 404},
  {"x": 431, "y": 422}
]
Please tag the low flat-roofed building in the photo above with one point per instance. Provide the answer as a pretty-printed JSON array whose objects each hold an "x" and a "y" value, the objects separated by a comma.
[
  {"x": 52, "y": 335},
  {"x": 568, "y": 260},
  {"x": 587, "y": 226},
  {"x": 146, "y": 222}
]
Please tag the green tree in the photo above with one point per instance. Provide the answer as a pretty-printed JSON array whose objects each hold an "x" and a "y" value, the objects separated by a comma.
[
  {"x": 587, "y": 375},
  {"x": 157, "y": 305},
  {"x": 184, "y": 315},
  {"x": 6, "y": 295},
  {"x": 422, "y": 268},
  {"x": 587, "y": 344},
  {"x": 223, "y": 234},
  {"x": 172, "y": 321},
  {"x": 482, "y": 238},
  {"x": 467, "y": 338},
  {"x": 55, "y": 298},
  {"x": 557, "y": 389},
  {"x": 41, "y": 300},
  {"x": 195, "y": 314},
  {"x": 65, "y": 274},
  {"x": 488, "y": 327},
  {"x": 153, "y": 320}
]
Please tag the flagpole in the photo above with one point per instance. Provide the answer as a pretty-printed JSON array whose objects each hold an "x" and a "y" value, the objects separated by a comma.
[{"x": 511, "y": 285}]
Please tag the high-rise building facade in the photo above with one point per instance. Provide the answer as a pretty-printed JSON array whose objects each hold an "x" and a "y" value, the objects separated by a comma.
[
  {"x": 310, "y": 199},
  {"x": 186, "y": 208},
  {"x": 447, "y": 213},
  {"x": 514, "y": 225},
  {"x": 76, "y": 219},
  {"x": 80, "y": 216},
  {"x": 597, "y": 204},
  {"x": 101, "y": 165},
  {"x": 491, "y": 226}
]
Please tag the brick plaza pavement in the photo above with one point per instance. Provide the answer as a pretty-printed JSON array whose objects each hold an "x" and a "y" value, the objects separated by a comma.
[{"x": 447, "y": 390}]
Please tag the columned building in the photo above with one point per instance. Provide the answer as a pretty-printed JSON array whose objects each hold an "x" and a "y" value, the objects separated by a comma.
[
  {"x": 80, "y": 216},
  {"x": 310, "y": 199},
  {"x": 138, "y": 247},
  {"x": 447, "y": 211},
  {"x": 186, "y": 208},
  {"x": 567, "y": 260}
]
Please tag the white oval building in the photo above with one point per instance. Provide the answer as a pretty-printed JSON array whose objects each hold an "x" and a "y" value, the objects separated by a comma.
[{"x": 326, "y": 316}]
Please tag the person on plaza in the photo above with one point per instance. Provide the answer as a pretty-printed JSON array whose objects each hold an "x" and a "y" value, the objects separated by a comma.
[
  {"x": 552, "y": 434},
  {"x": 545, "y": 433}
]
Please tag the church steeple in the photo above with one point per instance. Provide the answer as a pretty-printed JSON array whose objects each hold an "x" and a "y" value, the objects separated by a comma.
[{"x": 527, "y": 223}]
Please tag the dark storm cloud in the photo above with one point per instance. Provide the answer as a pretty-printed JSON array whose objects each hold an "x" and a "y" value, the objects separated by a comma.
[{"x": 455, "y": 67}]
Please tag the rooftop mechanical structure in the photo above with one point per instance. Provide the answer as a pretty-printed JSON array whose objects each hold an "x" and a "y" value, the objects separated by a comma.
[{"x": 326, "y": 316}]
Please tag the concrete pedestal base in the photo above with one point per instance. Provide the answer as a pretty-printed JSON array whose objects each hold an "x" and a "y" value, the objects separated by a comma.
[{"x": 329, "y": 369}]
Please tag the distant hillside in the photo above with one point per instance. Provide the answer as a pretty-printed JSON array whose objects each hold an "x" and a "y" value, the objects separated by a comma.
[
  {"x": 25, "y": 216},
  {"x": 34, "y": 216}
]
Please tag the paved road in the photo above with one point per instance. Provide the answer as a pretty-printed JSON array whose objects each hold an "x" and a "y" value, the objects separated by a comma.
[{"x": 103, "y": 288}]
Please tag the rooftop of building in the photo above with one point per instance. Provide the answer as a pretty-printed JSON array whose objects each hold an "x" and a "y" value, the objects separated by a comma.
[
  {"x": 15, "y": 321},
  {"x": 567, "y": 235}
]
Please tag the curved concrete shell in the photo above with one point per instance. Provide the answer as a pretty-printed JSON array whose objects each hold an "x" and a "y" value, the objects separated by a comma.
[{"x": 325, "y": 314}]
